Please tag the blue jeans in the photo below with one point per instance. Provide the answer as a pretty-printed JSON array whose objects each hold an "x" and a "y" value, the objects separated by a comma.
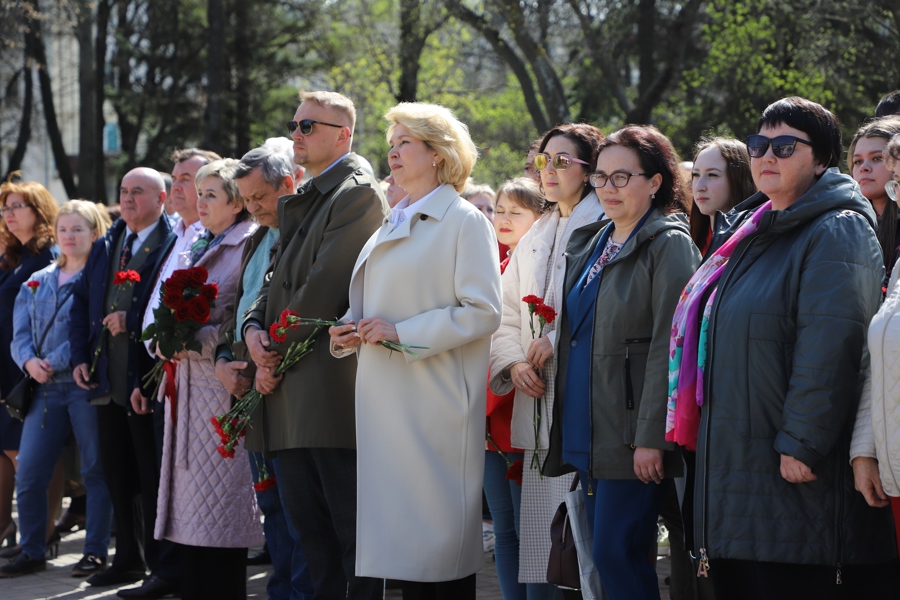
[
  {"x": 43, "y": 436},
  {"x": 622, "y": 514},
  {"x": 504, "y": 499},
  {"x": 289, "y": 570}
]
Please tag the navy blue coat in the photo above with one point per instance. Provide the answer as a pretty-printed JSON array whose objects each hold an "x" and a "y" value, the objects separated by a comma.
[
  {"x": 10, "y": 284},
  {"x": 90, "y": 292}
]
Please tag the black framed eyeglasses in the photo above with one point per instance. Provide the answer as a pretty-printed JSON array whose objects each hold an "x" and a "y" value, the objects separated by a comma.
[
  {"x": 561, "y": 161},
  {"x": 618, "y": 179},
  {"x": 306, "y": 125},
  {"x": 893, "y": 190},
  {"x": 782, "y": 146}
]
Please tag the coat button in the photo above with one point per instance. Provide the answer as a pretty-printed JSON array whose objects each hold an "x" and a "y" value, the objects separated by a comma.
[
  {"x": 286, "y": 284},
  {"x": 574, "y": 343},
  {"x": 134, "y": 299},
  {"x": 423, "y": 217}
]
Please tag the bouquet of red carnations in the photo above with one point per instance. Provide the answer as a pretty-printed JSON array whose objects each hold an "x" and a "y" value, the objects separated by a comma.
[
  {"x": 185, "y": 300},
  {"x": 546, "y": 314},
  {"x": 121, "y": 279},
  {"x": 232, "y": 425}
]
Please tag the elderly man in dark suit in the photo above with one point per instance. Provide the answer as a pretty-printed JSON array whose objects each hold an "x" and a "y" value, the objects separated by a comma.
[
  {"x": 308, "y": 417},
  {"x": 137, "y": 241}
]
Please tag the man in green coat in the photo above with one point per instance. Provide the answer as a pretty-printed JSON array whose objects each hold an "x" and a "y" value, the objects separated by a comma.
[{"x": 308, "y": 415}]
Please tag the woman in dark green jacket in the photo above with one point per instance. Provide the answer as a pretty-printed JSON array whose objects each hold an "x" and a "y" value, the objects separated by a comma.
[
  {"x": 622, "y": 283},
  {"x": 770, "y": 337}
]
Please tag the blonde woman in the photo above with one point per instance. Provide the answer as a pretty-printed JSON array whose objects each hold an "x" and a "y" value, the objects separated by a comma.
[
  {"x": 59, "y": 405},
  {"x": 429, "y": 277}
]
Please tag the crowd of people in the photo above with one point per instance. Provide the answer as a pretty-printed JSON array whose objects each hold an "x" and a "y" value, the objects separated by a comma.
[{"x": 716, "y": 345}]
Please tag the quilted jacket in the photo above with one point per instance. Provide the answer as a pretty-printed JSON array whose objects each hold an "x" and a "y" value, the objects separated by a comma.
[
  {"x": 785, "y": 364},
  {"x": 204, "y": 499},
  {"x": 877, "y": 430}
]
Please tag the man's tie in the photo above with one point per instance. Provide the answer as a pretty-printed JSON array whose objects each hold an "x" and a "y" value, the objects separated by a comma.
[{"x": 126, "y": 251}]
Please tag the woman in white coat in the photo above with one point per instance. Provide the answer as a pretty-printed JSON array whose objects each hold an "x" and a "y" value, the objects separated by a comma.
[
  {"x": 429, "y": 277},
  {"x": 565, "y": 160}
]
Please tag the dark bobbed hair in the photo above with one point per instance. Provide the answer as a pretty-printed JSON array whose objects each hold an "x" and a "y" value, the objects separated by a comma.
[
  {"x": 737, "y": 174},
  {"x": 657, "y": 155},
  {"x": 587, "y": 140},
  {"x": 889, "y": 104},
  {"x": 813, "y": 119}
]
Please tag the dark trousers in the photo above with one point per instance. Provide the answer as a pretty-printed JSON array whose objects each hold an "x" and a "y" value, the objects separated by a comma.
[
  {"x": 127, "y": 450},
  {"x": 207, "y": 573},
  {"x": 318, "y": 488},
  {"x": 622, "y": 514},
  {"x": 751, "y": 580},
  {"x": 458, "y": 589}
]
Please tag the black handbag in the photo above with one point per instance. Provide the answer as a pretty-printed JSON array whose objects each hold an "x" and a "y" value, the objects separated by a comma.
[
  {"x": 563, "y": 569},
  {"x": 19, "y": 399}
]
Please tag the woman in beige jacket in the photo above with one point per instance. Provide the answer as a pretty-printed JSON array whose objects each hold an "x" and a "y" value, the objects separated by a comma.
[
  {"x": 429, "y": 277},
  {"x": 567, "y": 156}
]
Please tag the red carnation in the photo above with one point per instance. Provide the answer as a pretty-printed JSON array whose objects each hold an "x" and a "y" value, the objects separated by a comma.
[
  {"x": 546, "y": 313},
  {"x": 33, "y": 286},
  {"x": 277, "y": 333},
  {"x": 265, "y": 484},
  {"x": 209, "y": 291},
  {"x": 122, "y": 277},
  {"x": 532, "y": 299},
  {"x": 515, "y": 472}
]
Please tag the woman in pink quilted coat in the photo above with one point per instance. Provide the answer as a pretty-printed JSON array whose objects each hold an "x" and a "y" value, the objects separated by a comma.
[{"x": 207, "y": 502}]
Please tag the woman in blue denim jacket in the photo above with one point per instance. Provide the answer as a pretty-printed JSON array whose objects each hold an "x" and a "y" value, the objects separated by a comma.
[{"x": 59, "y": 405}]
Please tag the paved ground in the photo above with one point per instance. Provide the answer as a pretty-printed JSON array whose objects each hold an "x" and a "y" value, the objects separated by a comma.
[{"x": 56, "y": 582}]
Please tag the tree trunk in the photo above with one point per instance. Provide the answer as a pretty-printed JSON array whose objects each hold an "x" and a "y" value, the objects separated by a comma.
[
  {"x": 15, "y": 160},
  {"x": 56, "y": 143},
  {"x": 243, "y": 63},
  {"x": 103, "y": 12},
  {"x": 89, "y": 153},
  {"x": 214, "y": 76},
  {"x": 412, "y": 42}
]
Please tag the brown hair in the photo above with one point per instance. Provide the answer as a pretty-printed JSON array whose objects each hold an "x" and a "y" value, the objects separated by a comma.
[
  {"x": 737, "y": 174},
  {"x": 96, "y": 216},
  {"x": 657, "y": 155},
  {"x": 44, "y": 206},
  {"x": 525, "y": 192},
  {"x": 587, "y": 140},
  {"x": 888, "y": 128}
]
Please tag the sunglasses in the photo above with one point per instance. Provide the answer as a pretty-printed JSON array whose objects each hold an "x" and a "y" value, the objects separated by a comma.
[
  {"x": 782, "y": 146},
  {"x": 306, "y": 125},
  {"x": 561, "y": 161},
  {"x": 893, "y": 190}
]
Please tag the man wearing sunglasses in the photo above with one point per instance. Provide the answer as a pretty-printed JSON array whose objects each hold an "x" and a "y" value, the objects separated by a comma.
[{"x": 308, "y": 414}]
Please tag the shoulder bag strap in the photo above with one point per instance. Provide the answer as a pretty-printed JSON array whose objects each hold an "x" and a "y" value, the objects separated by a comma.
[{"x": 59, "y": 305}]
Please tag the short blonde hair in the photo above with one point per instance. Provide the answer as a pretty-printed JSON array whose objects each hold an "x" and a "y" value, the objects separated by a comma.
[
  {"x": 335, "y": 101},
  {"x": 96, "y": 216},
  {"x": 224, "y": 170},
  {"x": 443, "y": 133}
]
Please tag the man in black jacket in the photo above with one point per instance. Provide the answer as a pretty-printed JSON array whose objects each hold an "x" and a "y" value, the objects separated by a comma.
[{"x": 137, "y": 241}]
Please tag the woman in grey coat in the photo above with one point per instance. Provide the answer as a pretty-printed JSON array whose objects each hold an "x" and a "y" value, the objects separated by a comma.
[{"x": 769, "y": 340}]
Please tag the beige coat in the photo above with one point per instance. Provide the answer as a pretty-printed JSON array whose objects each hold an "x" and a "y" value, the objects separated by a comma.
[{"x": 420, "y": 422}]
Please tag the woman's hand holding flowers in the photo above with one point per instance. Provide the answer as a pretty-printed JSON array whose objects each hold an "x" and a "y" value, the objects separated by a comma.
[
  {"x": 344, "y": 336},
  {"x": 374, "y": 330},
  {"x": 539, "y": 351},
  {"x": 526, "y": 379},
  {"x": 39, "y": 369}
]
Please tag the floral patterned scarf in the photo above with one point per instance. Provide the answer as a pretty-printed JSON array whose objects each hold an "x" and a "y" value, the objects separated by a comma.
[{"x": 687, "y": 346}]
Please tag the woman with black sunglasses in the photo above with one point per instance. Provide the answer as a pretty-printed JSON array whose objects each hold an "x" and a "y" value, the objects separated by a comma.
[
  {"x": 768, "y": 338},
  {"x": 564, "y": 160}
]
